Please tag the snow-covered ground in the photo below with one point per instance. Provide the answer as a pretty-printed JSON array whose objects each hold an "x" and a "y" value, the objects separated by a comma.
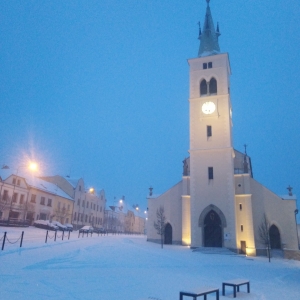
[{"x": 129, "y": 268}]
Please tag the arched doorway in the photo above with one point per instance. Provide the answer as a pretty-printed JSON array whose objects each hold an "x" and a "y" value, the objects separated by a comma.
[
  {"x": 212, "y": 230},
  {"x": 168, "y": 234},
  {"x": 275, "y": 240}
]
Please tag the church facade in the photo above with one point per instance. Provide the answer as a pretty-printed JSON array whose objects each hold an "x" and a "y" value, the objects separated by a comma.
[{"x": 218, "y": 203}]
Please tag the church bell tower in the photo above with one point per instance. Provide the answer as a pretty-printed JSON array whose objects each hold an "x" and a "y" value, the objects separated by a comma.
[{"x": 212, "y": 190}]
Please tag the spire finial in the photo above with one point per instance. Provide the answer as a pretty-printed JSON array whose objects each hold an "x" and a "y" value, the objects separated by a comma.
[
  {"x": 207, "y": 2},
  {"x": 289, "y": 188},
  {"x": 245, "y": 148}
]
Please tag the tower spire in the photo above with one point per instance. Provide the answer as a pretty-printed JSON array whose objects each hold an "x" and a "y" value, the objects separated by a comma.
[{"x": 209, "y": 44}]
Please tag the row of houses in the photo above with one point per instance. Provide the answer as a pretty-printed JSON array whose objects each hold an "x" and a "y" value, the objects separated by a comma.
[
  {"x": 25, "y": 198},
  {"x": 121, "y": 218}
]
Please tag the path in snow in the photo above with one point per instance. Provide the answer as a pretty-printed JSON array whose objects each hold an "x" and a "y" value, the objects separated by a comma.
[{"x": 130, "y": 268}]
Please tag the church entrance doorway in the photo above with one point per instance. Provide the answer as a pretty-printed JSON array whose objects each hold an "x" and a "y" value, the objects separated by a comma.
[
  {"x": 275, "y": 240},
  {"x": 212, "y": 230},
  {"x": 243, "y": 247},
  {"x": 168, "y": 234}
]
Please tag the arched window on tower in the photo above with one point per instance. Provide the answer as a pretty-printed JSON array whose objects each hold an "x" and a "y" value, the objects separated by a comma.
[
  {"x": 203, "y": 88},
  {"x": 213, "y": 86}
]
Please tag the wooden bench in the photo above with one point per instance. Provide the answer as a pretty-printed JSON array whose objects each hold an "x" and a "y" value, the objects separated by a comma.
[
  {"x": 236, "y": 283},
  {"x": 201, "y": 292}
]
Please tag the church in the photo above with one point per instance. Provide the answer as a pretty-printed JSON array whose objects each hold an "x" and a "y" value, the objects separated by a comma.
[{"x": 218, "y": 203}]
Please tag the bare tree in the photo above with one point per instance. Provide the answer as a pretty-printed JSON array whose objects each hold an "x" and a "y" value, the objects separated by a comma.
[
  {"x": 264, "y": 234},
  {"x": 61, "y": 214},
  {"x": 160, "y": 224}
]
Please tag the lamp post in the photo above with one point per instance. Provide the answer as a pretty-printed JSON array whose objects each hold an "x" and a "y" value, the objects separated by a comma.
[{"x": 296, "y": 213}]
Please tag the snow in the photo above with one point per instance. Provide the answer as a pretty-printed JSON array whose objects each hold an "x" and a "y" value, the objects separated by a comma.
[{"x": 128, "y": 267}]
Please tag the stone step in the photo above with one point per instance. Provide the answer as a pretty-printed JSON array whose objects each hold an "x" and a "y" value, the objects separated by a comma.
[{"x": 214, "y": 250}]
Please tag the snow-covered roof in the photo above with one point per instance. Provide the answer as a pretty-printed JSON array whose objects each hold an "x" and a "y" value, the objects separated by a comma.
[
  {"x": 35, "y": 182},
  {"x": 46, "y": 186}
]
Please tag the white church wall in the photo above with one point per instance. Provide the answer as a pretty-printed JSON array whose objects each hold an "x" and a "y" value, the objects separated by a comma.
[
  {"x": 244, "y": 216},
  {"x": 186, "y": 220},
  {"x": 219, "y": 192},
  {"x": 279, "y": 212},
  {"x": 171, "y": 201}
]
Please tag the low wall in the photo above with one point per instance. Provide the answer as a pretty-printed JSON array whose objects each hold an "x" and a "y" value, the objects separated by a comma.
[{"x": 292, "y": 254}]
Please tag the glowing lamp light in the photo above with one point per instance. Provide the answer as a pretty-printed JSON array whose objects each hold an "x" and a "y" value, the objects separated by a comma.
[
  {"x": 121, "y": 201},
  {"x": 91, "y": 190},
  {"x": 33, "y": 166}
]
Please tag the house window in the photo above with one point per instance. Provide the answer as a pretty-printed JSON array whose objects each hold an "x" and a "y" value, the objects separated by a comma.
[
  {"x": 43, "y": 200},
  {"x": 33, "y": 198},
  {"x": 97, "y": 207},
  {"x": 100, "y": 208},
  {"x": 15, "y": 197},
  {"x": 210, "y": 65},
  {"x": 94, "y": 206},
  {"x": 18, "y": 182},
  {"x": 205, "y": 66},
  {"x": 210, "y": 173},
  {"x": 208, "y": 131},
  {"x": 14, "y": 180},
  {"x": 242, "y": 228},
  {"x": 22, "y": 199},
  {"x": 87, "y": 204},
  {"x": 86, "y": 217},
  {"x": 203, "y": 88},
  {"x": 101, "y": 221},
  {"x": 83, "y": 203},
  {"x": 80, "y": 188},
  {"x": 43, "y": 216},
  {"x": 81, "y": 217},
  {"x": 75, "y": 216},
  {"x": 5, "y": 195},
  {"x": 49, "y": 202},
  {"x": 78, "y": 202},
  {"x": 241, "y": 206}
]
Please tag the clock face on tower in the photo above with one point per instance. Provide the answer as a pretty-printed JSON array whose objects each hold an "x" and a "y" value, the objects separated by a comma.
[{"x": 208, "y": 107}]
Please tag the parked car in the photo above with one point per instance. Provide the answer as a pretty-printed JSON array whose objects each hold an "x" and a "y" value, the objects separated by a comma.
[
  {"x": 45, "y": 224},
  {"x": 69, "y": 227},
  {"x": 59, "y": 225},
  {"x": 86, "y": 229}
]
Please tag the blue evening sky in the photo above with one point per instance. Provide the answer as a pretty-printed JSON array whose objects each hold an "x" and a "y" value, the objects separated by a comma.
[{"x": 99, "y": 89}]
